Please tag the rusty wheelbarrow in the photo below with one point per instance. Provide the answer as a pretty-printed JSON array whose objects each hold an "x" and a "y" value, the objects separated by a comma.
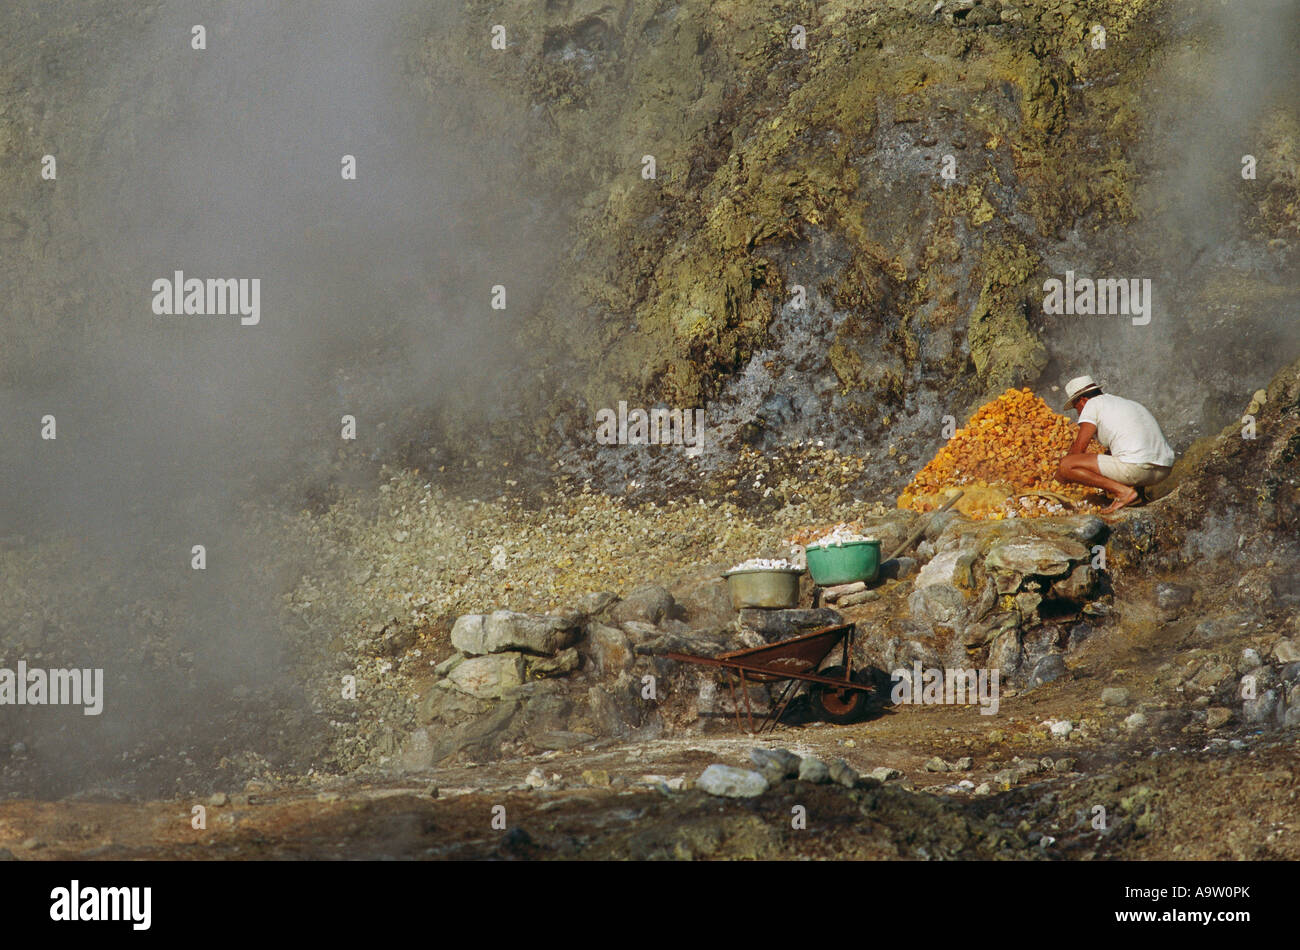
[{"x": 835, "y": 697}]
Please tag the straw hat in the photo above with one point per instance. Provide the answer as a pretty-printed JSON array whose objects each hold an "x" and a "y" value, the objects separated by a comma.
[{"x": 1080, "y": 386}]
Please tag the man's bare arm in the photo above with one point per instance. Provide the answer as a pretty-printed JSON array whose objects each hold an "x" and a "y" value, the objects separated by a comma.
[{"x": 1086, "y": 431}]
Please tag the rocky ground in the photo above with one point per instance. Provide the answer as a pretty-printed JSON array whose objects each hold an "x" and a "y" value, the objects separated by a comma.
[
  {"x": 1163, "y": 697},
  {"x": 450, "y": 641}
]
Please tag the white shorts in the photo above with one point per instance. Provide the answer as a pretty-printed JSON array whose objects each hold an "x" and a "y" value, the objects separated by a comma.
[{"x": 1131, "y": 473}]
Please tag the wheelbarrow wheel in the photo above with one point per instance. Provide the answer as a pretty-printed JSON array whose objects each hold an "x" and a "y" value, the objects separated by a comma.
[{"x": 838, "y": 705}]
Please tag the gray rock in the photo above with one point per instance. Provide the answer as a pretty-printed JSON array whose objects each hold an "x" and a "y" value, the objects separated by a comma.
[
  {"x": 1115, "y": 696},
  {"x": 843, "y": 773},
  {"x": 884, "y": 773},
  {"x": 832, "y": 594},
  {"x": 782, "y": 761},
  {"x": 1090, "y": 529},
  {"x": 1286, "y": 650},
  {"x": 649, "y": 604},
  {"x": 611, "y": 651},
  {"x": 729, "y": 782},
  {"x": 487, "y": 677},
  {"x": 1078, "y": 586},
  {"x": 1217, "y": 716},
  {"x": 450, "y": 706},
  {"x": 1049, "y": 668},
  {"x": 1261, "y": 709},
  {"x": 478, "y": 737},
  {"x": 547, "y": 711},
  {"x": 705, "y": 599},
  {"x": 505, "y": 630},
  {"x": 562, "y": 664},
  {"x": 1079, "y": 633},
  {"x": 1250, "y": 660},
  {"x": 1173, "y": 596},
  {"x": 938, "y": 604},
  {"x": 860, "y": 598},
  {"x": 964, "y": 764},
  {"x": 1005, "y": 654},
  {"x": 949, "y": 567},
  {"x": 593, "y": 604},
  {"x": 782, "y": 624},
  {"x": 449, "y": 664},
  {"x": 618, "y": 709},
  {"x": 1038, "y": 556},
  {"x": 467, "y": 634},
  {"x": 1135, "y": 721},
  {"x": 936, "y": 764},
  {"x": 638, "y": 631},
  {"x": 898, "y": 568},
  {"x": 938, "y": 524},
  {"x": 814, "y": 770},
  {"x": 1221, "y": 627}
]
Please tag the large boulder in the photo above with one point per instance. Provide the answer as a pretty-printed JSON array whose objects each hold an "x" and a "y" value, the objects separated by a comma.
[
  {"x": 506, "y": 630},
  {"x": 729, "y": 782},
  {"x": 611, "y": 651},
  {"x": 939, "y": 604},
  {"x": 1038, "y": 556},
  {"x": 704, "y": 597},
  {"x": 648, "y": 604},
  {"x": 487, "y": 677}
]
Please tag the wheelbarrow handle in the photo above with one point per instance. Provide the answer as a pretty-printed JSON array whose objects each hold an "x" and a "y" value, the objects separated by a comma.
[{"x": 911, "y": 538}]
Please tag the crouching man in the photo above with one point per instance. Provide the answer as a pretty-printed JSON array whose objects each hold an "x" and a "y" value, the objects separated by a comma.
[{"x": 1139, "y": 454}]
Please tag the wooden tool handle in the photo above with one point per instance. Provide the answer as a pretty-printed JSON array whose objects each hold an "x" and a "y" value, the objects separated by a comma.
[{"x": 911, "y": 539}]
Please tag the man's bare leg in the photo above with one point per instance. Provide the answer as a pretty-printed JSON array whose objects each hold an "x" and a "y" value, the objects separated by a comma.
[{"x": 1082, "y": 470}]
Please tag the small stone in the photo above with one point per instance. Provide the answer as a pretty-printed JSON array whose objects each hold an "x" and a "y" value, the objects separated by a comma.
[
  {"x": 1049, "y": 668},
  {"x": 843, "y": 773},
  {"x": 1115, "y": 696},
  {"x": 218, "y": 800},
  {"x": 937, "y": 764},
  {"x": 1062, "y": 728},
  {"x": 1135, "y": 721},
  {"x": 964, "y": 764},
  {"x": 982, "y": 789},
  {"x": 1250, "y": 659},
  {"x": 884, "y": 773},
  {"x": 814, "y": 770},
  {"x": 536, "y": 778},
  {"x": 1286, "y": 650},
  {"x": 597, "y": 778},
  {"x": 782, "y": 762},
  {"x": 860, "y": 598},
  {"x": 1217, "y": 716},
  {"x": 563, "y": 663},
  {"x": 729, "y": 782},
  {"x": 1063, "y": 764},
  {"x": 832, "y": 594},
  {"x": 1260, "y": 709}
]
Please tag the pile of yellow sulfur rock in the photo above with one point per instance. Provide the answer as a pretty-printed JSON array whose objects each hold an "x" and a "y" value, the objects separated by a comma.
[{"x": 1004, "y": 460}]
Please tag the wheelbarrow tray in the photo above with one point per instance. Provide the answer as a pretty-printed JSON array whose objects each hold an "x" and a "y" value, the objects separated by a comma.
[{"x": 792, "y": 660}]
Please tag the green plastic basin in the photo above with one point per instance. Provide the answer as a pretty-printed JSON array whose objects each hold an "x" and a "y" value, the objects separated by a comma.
[
  {"x": 763, "y": 588},
  {"x": 844, "y": 563}
]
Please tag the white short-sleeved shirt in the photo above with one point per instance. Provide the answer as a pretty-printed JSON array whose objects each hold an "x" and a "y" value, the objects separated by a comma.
[{"x": 1128, "y": 430}]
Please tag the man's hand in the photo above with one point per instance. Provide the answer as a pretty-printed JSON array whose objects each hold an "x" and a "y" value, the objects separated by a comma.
[{"x": 1086, "y": 431}]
